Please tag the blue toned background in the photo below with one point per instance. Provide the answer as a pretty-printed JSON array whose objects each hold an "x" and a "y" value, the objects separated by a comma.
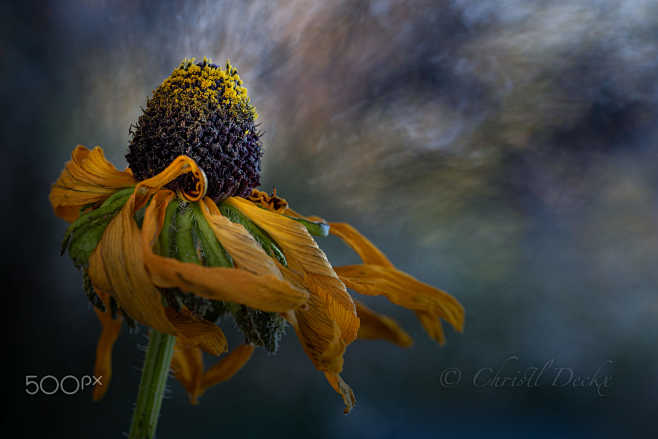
[{"x": 505, "y": 151}]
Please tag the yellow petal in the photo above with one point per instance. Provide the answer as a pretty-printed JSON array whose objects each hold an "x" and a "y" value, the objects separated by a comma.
[
  {"x": 330, "y": 322},
  {"x": 264, "y": 292},
  {"x": 432, "y": 324},
  {"x": 226, "y": 367},
  {"x": 88, "y": 178},
  {"x": 403, "y": 290},
  {"x": 246, "y": 253},
  {"x": 117, "y": 265},
  {"x": 269, "y": 202},
  {"x": 343, "y": 389},
  {"x": 193, "y": 331},
  {"x": 429, "y": 317},
  {"x": 180, "y": 166},
  {"x": 366, "y": 250},
  {"x": 305, "y": 257},
  {"x": 109, "y": 334},
  {"x": 320, "y": 336},
  {"x": 379, "y": 327},
  {"x": 187, "y": 366}
]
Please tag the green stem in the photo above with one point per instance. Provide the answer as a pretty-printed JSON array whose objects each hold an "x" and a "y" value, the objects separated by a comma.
[{"x": 152, "y": 385}]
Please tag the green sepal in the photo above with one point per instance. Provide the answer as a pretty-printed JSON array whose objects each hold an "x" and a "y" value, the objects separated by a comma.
[
  {"x": 187, "y": 237},
  {"x": 83, "y": 235},
  {"x": 90, "y": 292},
  {"x": 166, "y": 238},
  {"x": 263, "y": 238},
  {"x": 315, "y": 228},
  {"x": 259, "y": 327},
  {"x": 186, "y": 250},
  {"x": 214, "y": 255}
]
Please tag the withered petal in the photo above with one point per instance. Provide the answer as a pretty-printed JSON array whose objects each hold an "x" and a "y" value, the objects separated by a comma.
[
  {"x": 376, "y": 326},
  {"x": 402, "y": 289},
  {"x": 88, "y": 178},
  {"x": 193, "y": 331},
  {"x": 226, "y": 367},
  {"x": 187, "y": 366},
  {"x": 264, "y": 292},
  {"x": 329, "y": 323},
  {"x": 117, "y": 267},
  {"x": 366, "y": 250},
  {"x": 109, "y": 333},
  {"x": 247, "y": 254},
  {"x": 343, "y": 389}
]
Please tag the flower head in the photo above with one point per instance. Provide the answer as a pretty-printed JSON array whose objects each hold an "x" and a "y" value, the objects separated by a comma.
[
  {"x": 201, "y": 111},
  {"x": 175, "y": 244}
]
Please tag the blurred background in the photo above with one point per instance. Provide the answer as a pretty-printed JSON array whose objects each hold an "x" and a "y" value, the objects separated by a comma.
[{"x": 505, "y": 151}]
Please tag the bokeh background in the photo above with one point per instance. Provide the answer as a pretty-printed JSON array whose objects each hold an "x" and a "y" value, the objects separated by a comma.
[{"x": 505, "y": 151}]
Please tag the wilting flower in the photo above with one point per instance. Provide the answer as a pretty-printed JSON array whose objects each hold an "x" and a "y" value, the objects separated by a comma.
[{"x": 182, "y": 239}]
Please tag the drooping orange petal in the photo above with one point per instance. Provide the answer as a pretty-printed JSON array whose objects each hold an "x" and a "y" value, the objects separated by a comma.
[
  {"x": 305, "y": 257},
  {"x": 343, "y": 389},
  {"x": 403, "y": 290},
  {"x": 432, "y": 324},
  {"x": 193, "y": 331},
  {"x": 226, "y": 367},
  {"x": 88, "y": 178},
  {"x": 264, "y": 292},
  {"x": 246, "y": 253},
  {"x": 109, "y": 334},
  {"x": 267, "y": 201},
  {"x": 180, "y": 166},
  {"x": 366, "y": 250},
  {"x": 369, "y": 254},
  {"x": 187, "y": 366},
  {"x": 429, "y": 317},
  {"x": 329, "y": 323},
  {"x": 321, "y": 339},
  {"x": 376, "y": 326},
  {"x": 320, "y": 336},
  {"x": 117, "y": 264}
]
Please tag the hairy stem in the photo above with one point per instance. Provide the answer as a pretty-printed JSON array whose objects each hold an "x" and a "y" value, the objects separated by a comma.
[{"x": 152, "y": 385}]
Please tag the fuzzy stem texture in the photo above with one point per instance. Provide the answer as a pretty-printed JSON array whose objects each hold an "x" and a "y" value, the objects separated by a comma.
[{"x": 152, "y": 385}]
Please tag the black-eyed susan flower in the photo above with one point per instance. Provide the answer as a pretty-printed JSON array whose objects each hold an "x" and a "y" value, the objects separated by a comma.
[{"x": 182, "y": 239}]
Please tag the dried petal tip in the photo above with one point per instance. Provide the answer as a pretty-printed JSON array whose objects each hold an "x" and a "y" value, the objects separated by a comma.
[{"x": 201, "y": 111}]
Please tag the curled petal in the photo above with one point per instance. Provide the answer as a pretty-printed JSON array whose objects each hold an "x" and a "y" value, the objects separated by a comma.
[
  {"x": 117, "y": 266},
  {"x": 432, "y": 324},
  {"x": 182, "y": 165},
  {"x": 379, "y": 327},
  {"x": 306, "y": 258},
  {"x": 247, "y": 254},
  {"x": 343, "y": 389},
  {"x": 227, "y": 366},
  {"x": 329, "y": 323},
  {"x": 366, "y": 250},
  {"x": 264, "y": 292},
  {"x": 88, "y": 178},
  {"x": 187, "y": 366},
  {"x": 193, "y": 331},
  {"x": 320, "y": 336},
  {"x": 403, "y": 290},
  {"x": 109, "y": 334}
]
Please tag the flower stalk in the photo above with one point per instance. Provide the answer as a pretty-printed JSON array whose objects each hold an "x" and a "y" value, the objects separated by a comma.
[{"x": 152, "y": 385}]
